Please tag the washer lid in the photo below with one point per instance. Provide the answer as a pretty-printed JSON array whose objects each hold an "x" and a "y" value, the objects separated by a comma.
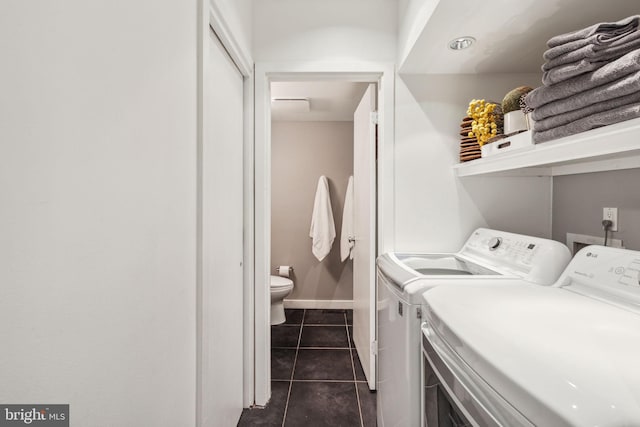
[
  {"x": 558, "y": 357},
  {"x": 403, "y": 268}
]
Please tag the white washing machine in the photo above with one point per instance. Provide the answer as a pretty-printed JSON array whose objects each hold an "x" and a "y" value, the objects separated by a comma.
[
  {"x": 564, "y": 355},
  {"x": 488, "y": 256}
]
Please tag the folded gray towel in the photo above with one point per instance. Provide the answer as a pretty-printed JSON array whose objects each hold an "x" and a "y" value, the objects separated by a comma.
[
  {"x": 612, "y": 71},
  {"x": 572, "y": 116},
  {"x": 625, "y": 86},
  {"x": 620, "y": 114},
  {"x": 567, "y": 71},
  {"x": 594, "y": 53},
  {"x": 598, "y": 34}
]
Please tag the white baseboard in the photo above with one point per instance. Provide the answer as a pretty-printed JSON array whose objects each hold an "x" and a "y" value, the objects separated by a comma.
[{"x": 327, "y": 304}]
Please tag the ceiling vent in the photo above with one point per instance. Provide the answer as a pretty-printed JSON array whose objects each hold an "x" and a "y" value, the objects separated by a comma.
[{"x": 291, "y": 105}]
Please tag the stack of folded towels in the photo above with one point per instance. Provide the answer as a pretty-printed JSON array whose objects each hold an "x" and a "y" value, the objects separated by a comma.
[{"x": 591, "y": 79}]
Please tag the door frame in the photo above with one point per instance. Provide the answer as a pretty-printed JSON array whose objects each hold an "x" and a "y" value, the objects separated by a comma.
[{"x": 381, "y": 73}]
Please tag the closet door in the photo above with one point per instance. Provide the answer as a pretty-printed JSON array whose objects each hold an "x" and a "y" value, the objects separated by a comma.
[{"x": 221, "y": 304}]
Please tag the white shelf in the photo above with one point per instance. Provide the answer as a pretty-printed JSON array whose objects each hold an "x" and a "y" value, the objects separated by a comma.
[
  {"x": 611, "y": 147},
  {"x": 511, "y": 35}
]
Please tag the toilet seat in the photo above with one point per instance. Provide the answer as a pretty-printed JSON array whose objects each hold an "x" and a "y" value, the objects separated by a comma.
[{"x": 278, "y": 282}]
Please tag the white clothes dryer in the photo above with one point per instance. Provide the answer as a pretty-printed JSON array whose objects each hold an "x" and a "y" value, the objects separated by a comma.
[
  {"x": 488, "y": 256},
  {"x": 564, "y": 355}
]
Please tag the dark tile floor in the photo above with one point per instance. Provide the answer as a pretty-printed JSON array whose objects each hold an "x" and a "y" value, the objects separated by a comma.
[{"x": 317, "y": 378}]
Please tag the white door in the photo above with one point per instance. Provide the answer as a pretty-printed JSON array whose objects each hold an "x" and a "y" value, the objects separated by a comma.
[
  {"x": 220, "y": 373},
  {"x": 364, "y": 191}
]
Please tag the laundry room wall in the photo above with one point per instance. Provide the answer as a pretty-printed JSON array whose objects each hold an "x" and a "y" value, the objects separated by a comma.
[
  {"x": 98, "y": 133},
  {"x": 300, "y": 153},
  {"x": 337, "y": 30},
  {"x": 412, "y": 16},
  {"x": 578, "y": 201},
  {"x": 436, "y": 210}
]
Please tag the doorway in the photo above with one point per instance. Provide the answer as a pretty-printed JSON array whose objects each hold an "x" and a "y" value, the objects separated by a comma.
[
  {"x": 382, "y": 76},
  {"x": 312, "y": 136},
  {"x": 322, "y": 151}
]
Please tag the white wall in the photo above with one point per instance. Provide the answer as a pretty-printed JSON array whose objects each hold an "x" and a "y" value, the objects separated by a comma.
[
  {"x": 435, "y": 210},
  {"x": 336, "y": 30},
  {"x": 412, "y": 18},
  {"x": 238, "y": 17},
  {"x": 233, "y": 24},
  {"x": 98, "y": 209}
]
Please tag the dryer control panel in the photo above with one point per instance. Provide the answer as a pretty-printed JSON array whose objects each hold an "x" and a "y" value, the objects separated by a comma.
[{"x": 606, "y": 273}]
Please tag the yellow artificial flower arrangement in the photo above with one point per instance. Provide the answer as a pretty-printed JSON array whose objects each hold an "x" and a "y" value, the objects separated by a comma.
[{"x": 486, "y": 116}]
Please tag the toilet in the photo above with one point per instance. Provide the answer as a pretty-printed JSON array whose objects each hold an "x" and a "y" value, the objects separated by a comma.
[{"x": 280, "y": 288}]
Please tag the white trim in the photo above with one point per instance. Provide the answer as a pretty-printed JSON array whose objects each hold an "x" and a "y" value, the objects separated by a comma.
[
  {"x": 325, "y": 304},
  {"x": 262, "y": 239},
  {"x": 381, "y": 73},
  {"x": 248, "y": 261},
  {"x": 219, "y": 24},
  {"x": 385, "y": 214},
  {"x": 203, "y": 68}
]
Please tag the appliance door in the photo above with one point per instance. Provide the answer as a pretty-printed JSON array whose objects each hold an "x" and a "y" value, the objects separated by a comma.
[
  {"x": 398, "y": 393},
  {"x": 454, "y": 395},
  {"x": 438, "y": 407}
]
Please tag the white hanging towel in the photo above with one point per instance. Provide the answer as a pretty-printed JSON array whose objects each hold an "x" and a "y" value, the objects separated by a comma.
[
  {"x": 323, "y": 229},
  {"x": 346, "y": 246}
]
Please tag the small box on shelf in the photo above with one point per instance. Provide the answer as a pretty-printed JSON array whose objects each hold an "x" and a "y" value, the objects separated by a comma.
[{"x": 517, "y": 142}]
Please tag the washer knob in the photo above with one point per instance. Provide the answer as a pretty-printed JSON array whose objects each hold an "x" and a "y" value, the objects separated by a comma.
[{"x": 494, "y": 243}]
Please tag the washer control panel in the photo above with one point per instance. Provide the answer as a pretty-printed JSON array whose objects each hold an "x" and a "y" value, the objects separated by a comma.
[
  {"x": 533, "y": 258},
  {"x": 508, "y": 248}
]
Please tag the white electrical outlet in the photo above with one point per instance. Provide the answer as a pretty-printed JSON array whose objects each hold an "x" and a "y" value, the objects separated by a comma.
[{"x": 612, "y": 215}]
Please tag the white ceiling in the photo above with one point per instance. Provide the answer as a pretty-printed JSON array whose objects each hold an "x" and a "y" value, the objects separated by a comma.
[
  {"x": 511, "y": 37},
  {"x": 328, "y": 100},
  {"x": 511, "y": 34}
]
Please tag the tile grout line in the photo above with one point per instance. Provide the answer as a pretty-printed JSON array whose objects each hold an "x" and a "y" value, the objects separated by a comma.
[
  {"x": 293, "y": 370},
  {"x": 335, "y": 325},
  {"x": 320, "y": 380},
  {"x": 353, "y": 370},
  {"x": 324, "y": 348}
]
